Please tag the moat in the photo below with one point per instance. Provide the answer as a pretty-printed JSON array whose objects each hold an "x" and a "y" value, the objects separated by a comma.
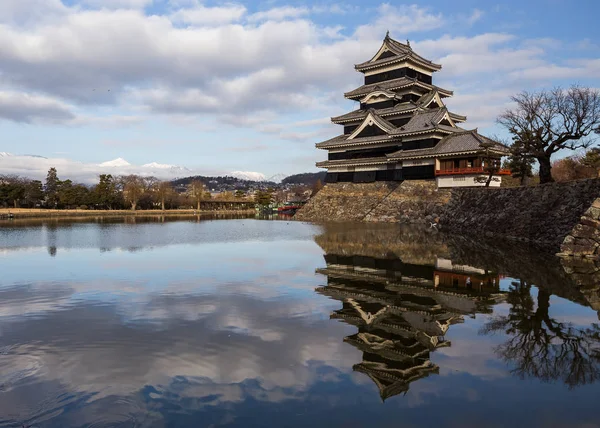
[{"x": 169, "y": 322}]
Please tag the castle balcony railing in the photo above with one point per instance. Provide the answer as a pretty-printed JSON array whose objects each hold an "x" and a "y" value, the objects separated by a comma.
[{"x": 465, "y": 171}]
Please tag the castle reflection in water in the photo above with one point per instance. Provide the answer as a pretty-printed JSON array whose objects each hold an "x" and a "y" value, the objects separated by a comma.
[{"x": 403, "y": 292}]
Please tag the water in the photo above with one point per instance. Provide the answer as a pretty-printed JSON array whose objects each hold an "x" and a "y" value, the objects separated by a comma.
[{"x": 157, "y": 323}]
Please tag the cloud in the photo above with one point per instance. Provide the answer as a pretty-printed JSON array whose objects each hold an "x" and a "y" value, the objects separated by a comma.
[
  {"x": 212, "y": 16},
  {"x": 36, "y": 167},
  {"x": 475, "y": 16},
  {"x": 25, "y": 108},
  {"x": 220, "y": 62},
  {"x": 117, "y": 4},
  {"x": 27, "y": 12},
  {"x": 279, "y": 14},
  {"x": 400, "y": 20}
]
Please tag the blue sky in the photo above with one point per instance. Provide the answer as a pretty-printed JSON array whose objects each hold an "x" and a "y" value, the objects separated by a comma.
[{"x": 249, "y": 86}]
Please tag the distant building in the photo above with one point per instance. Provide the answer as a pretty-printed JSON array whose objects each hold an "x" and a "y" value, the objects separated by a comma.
[{"x": 402, "y": 129}]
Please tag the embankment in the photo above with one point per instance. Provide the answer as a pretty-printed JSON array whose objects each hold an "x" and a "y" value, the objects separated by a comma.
[
  {"x": 414, "y": 201},
  {"x": 556, "y": 217},
  {"x": 544, "y": 214},
  {"x": 25, "y": 213}
]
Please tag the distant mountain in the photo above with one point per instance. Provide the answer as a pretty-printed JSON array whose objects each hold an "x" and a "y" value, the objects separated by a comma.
[
  {"x": 307, "y": 178},
  {"x": 35, "y": 156},
  {"x": 155, "y": 165},
  {"x": 277, "y": 178},
  {"x": 224, "y": 183},
  {"x": 248, "y": 175},
  {"x": 115, "y": 162},
  {"x": 231, "y": 183},
  {"x": 6, "y": 154}
]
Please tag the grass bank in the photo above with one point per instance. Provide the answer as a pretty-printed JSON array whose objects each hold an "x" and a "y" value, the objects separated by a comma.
[{"x": 48, "y": 213}]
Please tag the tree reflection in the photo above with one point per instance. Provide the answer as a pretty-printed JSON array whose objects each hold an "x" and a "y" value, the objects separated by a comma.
[{"x": 542, "y": 347}]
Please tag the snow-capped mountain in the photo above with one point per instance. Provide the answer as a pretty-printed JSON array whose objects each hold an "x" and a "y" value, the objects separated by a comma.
[
  {"x": 248, "y": 175},
  {"x": 277, "y": 178},
  {"x": 4, "y": 154},
  {"x": 156, "y": 165},
  {"x": 115, "y": 162}
]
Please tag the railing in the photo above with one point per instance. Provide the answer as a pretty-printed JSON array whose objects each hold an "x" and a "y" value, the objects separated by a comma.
[{"x": 475, "y": 170}]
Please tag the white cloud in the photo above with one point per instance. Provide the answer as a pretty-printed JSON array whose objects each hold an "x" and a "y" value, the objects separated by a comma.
[
  {"x": 279, "y": 14},
  {"x": 72, "y": 64},
  {"x": 400, "y": 20},
  {"x": 117, "y": 4},
  {"x": 21, "y": 12},
  {"x": 27, "y": 108},
  {"x": 36, "y": 167},
  {"x": 211, "y": 16},
  {"x": 475, "y": 16}
]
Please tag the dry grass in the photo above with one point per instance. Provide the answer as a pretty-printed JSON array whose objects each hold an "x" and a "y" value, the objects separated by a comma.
[{"x": 38, "y": 213}]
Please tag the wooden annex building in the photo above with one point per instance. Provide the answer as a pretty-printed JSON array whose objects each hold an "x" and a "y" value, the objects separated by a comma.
[{"x": 402, "y": 129}]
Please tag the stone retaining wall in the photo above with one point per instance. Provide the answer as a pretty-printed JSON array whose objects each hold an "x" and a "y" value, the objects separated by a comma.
[
  {"x": 543, "y": 214},
  {"x": 556, "y": 216},
  {"x": 415, "y": 201},
  {"x": 584, "y": 238}
]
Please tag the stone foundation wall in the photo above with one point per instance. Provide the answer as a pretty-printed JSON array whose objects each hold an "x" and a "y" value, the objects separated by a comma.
[
  {"x": 543, "y": 214},
  {"x": 561, "y": 217},
  {"x": 415, "y": 201},
  {"x": 584, "y": 238},
  {"x": 345, "y": 201}
]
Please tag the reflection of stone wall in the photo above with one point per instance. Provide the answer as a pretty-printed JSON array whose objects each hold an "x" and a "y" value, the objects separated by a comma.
[
  {"x": 543, "y": 214},
  {"x": 411, "y": 244},
  {"x": 586, "y": 274},
  {"x": 412, "y": 201}
]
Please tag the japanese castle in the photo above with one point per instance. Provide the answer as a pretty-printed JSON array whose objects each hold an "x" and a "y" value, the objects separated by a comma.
[{"x": 402, "y": 129}]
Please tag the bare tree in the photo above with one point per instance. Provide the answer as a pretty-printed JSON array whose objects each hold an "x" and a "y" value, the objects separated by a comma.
[
  {"x": 163, "y": 191},
  {"x": 133, "y": 189},
  {"x": 548, "y": 121},
  {"x": 196, "y": 189}
]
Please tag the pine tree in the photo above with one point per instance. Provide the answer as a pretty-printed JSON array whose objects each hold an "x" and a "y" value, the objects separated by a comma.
[
  {"x": 51, "y": 188},
  {"x": 520, "y": 163}
]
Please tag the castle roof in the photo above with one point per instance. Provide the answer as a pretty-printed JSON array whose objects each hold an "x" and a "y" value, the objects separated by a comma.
[
  {"x": 457, "y": 143},
  {"x": 398, "y": 52},
  {"x": 361, "y": 114},
  {"x": 422, "y": 122},
  {"x": 406, "y": 107},
  {"x": 394, "y": 84}
]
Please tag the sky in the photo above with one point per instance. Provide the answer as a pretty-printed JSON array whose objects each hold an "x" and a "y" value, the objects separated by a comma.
[{"x": 218, "y": 87}]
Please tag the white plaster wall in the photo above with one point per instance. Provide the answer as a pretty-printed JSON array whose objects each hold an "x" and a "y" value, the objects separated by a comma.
[
  {"x": 371, "y": 168},
  {"x": 418, "y": 162},
  {"x": 463, "y": 181}
]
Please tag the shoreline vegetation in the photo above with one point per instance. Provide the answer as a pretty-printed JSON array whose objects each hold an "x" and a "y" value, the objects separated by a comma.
[{"x": 20, "y": 213}]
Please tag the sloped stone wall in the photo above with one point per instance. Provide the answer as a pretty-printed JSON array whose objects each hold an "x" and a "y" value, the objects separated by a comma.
[
  {"x": 557, "y": 217},
  {"x": 584, "y": 238},
  {"x": 543, "y": 215},
  {"x": 415, "y": 201},
  {"x": 345, "y": 201}
]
